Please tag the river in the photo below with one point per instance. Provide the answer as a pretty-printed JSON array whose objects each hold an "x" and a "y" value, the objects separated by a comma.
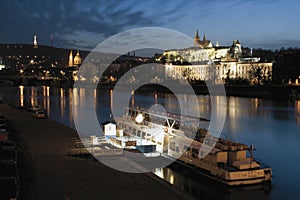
[{"x": 272, "y": 126}]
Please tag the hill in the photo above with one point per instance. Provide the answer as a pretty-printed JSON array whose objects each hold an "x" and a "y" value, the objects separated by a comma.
[{"x": 17, "y": 56}]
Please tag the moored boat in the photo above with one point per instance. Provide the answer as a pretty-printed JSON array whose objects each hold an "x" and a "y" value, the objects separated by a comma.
[{"x": 224, "y": 160}]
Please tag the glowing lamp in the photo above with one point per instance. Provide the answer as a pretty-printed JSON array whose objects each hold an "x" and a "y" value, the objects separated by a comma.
[{"x": 139, "y": 118}]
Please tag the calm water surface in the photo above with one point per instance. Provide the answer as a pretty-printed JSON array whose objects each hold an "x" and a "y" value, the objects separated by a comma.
[{"x": 273, "y": 127}]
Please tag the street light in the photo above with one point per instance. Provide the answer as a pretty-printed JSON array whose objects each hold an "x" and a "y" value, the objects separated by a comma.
[{"x": 139, "y": 118}]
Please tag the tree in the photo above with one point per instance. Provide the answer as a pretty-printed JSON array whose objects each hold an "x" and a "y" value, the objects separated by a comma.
[
  {"x": 257, "y": 75},
  {"x": 227, "y": 79}
]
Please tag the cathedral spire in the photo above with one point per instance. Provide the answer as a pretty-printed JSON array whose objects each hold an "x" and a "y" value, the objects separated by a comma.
[
  {"x": 71, "y": 59},
  {"x": 204, "y": 37},
  {"x": 197, "y": 39},
  {"x": 197, "y": 35}
]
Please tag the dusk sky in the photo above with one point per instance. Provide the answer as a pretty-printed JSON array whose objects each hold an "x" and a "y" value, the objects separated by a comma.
[{"x": 84, "y": 24}]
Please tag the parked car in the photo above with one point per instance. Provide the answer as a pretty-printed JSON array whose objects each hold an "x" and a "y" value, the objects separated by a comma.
[{"x": 40, "y": 114}]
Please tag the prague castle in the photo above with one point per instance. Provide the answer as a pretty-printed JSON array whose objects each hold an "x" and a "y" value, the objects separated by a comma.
[{"x": 228, "y": 61}]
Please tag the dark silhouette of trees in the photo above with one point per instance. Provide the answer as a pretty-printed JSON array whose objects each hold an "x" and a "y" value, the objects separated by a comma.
[{"x": 286, "y": 65}]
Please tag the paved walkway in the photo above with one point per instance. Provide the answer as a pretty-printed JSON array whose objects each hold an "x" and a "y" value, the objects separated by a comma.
[{"x": 47, "y": 172}]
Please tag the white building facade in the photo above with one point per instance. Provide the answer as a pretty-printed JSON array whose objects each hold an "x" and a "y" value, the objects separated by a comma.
[{"x": 207, "y": 62}]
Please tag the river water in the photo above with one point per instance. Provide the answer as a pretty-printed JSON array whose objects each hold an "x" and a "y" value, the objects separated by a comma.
[{"x": 272, "y": 126}]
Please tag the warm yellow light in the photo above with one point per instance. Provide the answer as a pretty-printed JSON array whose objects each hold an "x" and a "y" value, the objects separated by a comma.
[
  {"x": 139, "y": 118},
  {"x": 21, "y": 90},
  {"x": 172, "y": 179}
]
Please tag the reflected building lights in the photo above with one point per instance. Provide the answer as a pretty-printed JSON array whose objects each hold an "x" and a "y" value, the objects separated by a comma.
[
  {"x": 297, "y": 111},
  {"x": 81, "y": 96},
  {"x": 48, "y": 91},
  {"x": 32, "y": 100},
  {"x": 234, "y": 108},
  {"x": 233, "y": 113},
  {"x": 48, "y": 99},
  {"x": 111, "y": 99},
  {"x": 75, "y": 102},
  {"x": 62, "y": 102},
  {"x": 95, "y": 97},
  {"x": 75, "y": 97},
  {"x": 132, "y": 98},
  {"x": 44, "y": 91},
  {"x": 255, "y": 106},
  {"x": 70, "y": 104},
  {"x": 21, "y": 87},
  {"x": 44, "y": 97},
  {"x": 256, "y": 103}
]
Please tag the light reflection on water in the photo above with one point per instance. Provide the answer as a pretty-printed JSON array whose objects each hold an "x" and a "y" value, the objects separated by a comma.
[
  {"x": 297, "y": 112},
  {"x": 273, "y": 127},
  {"x": 201, "y": 187}
]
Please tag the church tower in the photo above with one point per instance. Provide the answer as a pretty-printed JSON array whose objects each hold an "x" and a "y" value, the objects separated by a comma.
[
  {"x": 77, "y": 59},
  {"x": 71, "y": 59},
  {"x": 197, "y": 40},
  {"x": 35, "y": 44}
]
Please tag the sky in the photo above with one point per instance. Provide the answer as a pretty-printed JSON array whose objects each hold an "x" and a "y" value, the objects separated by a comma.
[{"x": 78, "y": 24}]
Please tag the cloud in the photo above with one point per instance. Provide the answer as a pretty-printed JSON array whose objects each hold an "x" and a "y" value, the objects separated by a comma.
[
  {"x": 77, "y": 20},
  {"x": 276, "y": 44},
  {"x": 84, "y": 24}
]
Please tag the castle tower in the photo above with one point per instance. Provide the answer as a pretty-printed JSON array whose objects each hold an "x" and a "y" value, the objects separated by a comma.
[
  {"x": 35, "y": 44},
  {"x": 71, "y": 59},
  {"x": 204, "y": 37},
  {"x": 197, "y": 39}
]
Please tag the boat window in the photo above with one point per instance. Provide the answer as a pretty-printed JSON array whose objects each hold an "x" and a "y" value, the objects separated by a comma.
[
  {"x": 177, "y": 149},
  {"x": 172, "y": 146},
  {"x": 195, "y": 151}
]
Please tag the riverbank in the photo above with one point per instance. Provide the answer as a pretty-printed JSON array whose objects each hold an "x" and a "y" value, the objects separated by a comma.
[
  {"x": 278, "y": 92},
  {"x": 47, "y": 172}
]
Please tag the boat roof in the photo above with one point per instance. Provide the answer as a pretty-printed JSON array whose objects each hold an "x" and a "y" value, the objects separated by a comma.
[{"x": 197, "y": 145}]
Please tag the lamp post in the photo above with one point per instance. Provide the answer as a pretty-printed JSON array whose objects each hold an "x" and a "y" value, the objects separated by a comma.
[{"x": 139, "y": 119}]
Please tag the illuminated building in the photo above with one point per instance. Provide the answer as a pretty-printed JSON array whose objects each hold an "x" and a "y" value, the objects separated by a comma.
[
  {"x": 202, "y": 43},
  {"x": 2, "y": 66},
  {"x": 35, "y": 44},
  {"x": 214, "y": 62},
  {"x": 76, "y": 61},
  {"x": 71, "y": 59}
]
